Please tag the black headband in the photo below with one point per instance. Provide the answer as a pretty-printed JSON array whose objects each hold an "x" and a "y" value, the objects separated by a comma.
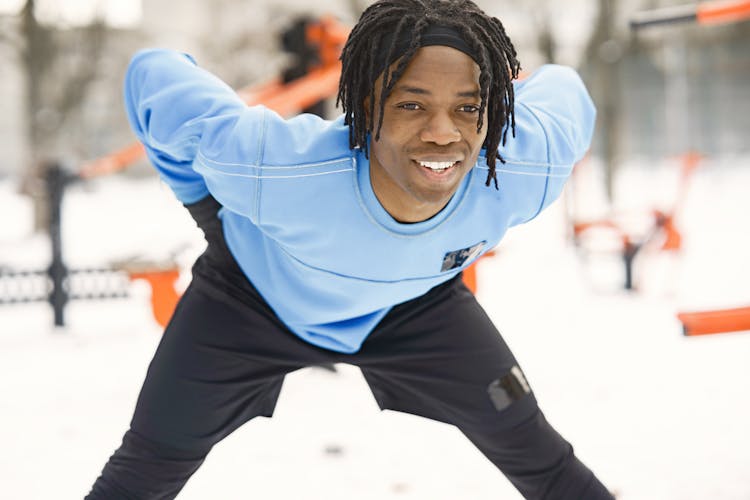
[{"x": 432, "y": 35}]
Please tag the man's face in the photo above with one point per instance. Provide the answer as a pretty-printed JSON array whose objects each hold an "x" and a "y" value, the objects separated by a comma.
[{"x": 429, "y": 140}]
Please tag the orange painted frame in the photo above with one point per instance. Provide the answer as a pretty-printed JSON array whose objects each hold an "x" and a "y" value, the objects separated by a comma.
[
  {"x": 718, "y": 321},
  {"x": 722, "y": 12}
]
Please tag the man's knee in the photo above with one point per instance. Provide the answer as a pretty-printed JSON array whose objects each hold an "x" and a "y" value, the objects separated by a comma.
[
  {"x": 520, "y": 437},
  {"x": 538, "y": 461},
  {"x": 145, "y": 469}
]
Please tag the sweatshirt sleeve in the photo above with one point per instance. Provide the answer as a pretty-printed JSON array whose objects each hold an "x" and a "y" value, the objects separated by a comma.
[
  {"x": 555, "y": 119},
  {"x": 180, "y": 111}
]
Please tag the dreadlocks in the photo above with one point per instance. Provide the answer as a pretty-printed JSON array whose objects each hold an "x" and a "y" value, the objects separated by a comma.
[{"x": 375, "y": 34}]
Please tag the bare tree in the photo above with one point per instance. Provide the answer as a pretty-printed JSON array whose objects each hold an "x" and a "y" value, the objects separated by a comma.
[
  {"x": 603, "y": 56},
  {"x": 600, "y": 61},
  {"x": 58, "y": 67}
]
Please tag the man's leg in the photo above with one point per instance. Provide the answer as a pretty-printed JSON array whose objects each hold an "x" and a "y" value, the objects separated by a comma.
[
  {"x": 441, "y": 357},
  {"x": 220, "y": 363}
]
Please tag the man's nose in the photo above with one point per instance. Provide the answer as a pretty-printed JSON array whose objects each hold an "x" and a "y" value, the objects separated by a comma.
[{"x": 440, "y": 129}]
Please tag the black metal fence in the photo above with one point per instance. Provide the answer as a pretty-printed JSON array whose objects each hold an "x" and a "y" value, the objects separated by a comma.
[{"x": 58, "y": 284}]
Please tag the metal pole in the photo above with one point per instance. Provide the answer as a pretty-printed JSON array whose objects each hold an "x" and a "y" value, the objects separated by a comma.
[
  {"x": 719, "y": 12},
  {"x": 628, "y": 255},
  {"x": 666, "y": 15},
  {"x": 58, "y": 273}
]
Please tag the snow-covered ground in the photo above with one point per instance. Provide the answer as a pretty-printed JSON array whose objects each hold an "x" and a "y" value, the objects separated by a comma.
[{"x": 657, "y": 415}]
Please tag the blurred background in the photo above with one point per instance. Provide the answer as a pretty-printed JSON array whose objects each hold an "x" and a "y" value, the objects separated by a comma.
[
  {"x": 644, "y": 278},
  {"x": 659, "y": 92}
]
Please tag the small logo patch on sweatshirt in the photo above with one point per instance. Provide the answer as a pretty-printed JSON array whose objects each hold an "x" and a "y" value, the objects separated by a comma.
[{"x": 457, "y": 258}]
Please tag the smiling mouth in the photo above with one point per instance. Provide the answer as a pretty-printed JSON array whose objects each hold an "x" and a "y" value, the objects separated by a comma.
[{"x": 437, "y": 166}]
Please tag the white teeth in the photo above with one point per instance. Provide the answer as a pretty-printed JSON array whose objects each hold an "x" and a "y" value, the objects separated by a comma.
[{"x": 437, "y": 165}]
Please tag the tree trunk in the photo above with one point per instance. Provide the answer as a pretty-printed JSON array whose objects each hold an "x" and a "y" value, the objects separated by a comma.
[
  {"x": 37, "y": 55},
  {"x": 46, "y": 110},
  {"x": 602, "y": 61}
]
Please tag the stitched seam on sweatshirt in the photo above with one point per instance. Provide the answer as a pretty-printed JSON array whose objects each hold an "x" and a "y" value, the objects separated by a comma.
[
  {"x": 546, "y": 182},
  {"x": 253, "y": 176},
  {"x": 274, "y": 167}
]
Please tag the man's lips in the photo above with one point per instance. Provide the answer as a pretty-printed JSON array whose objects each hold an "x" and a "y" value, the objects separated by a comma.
[
  {"x": 438, "y": 157},
  {"x": 434, "y": 169},
  {"x": 438, "y": 163}
]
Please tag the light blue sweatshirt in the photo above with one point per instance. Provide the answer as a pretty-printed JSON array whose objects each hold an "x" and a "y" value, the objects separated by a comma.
[{"x": 300, "y": 215}]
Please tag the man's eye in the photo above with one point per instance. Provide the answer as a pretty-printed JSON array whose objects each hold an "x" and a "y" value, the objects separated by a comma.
[
  {"x": 469, "y": 108},
  {"x": 410, "y": 106}
]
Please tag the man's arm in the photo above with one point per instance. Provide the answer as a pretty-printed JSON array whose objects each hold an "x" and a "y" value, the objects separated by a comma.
[
  {"x": 179, "y": 112},
  {"x": 555, "y": 119}
]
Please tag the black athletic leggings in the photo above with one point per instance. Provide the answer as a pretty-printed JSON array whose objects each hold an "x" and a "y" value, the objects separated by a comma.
[{"x": 224, "y": 355}]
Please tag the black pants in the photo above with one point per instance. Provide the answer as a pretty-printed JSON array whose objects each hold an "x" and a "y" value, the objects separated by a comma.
[{"x": 224, "y": 355}]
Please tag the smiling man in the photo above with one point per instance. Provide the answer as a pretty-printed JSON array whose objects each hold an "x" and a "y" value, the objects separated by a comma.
[
  {"x": 429, "y": 139},
  {"x": 343, "y": 241}
]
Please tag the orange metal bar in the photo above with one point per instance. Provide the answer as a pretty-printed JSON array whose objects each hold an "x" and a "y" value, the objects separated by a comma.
[
  {"x": 470, "y": 277},
  {"x": 306, "y": 91},
  {"x": 722, "y": 12},
  {"x": 113, "y": 162},
  {"x": 164, "y": 297},
  {"x": 718, "y": 321},
  {"x": 704, "y": 13},
  {"x": 330, "y": 36},
  {"x": 673, "y": 238},
  {"x": 470, "y": 273},
  {"x": 286, "y": 99},
  {"x": 582, "y": 227},
  {"x": 254, "y": 94},
  {"x": 690, "y": 161}
]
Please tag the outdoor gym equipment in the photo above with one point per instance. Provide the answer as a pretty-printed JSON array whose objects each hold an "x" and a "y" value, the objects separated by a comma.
[
  {"x": 702, "y": 13},
  {"x": 318, "y": 61},
  {"x": 312, "y": 78},
  {"x": 59, "y": 284},
  {"x": 719, "y": 320},
  {"x": 662, "y": 227}
]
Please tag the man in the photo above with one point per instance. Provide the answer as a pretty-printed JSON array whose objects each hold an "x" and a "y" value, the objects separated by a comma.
[{"x": 343, "y": 241}]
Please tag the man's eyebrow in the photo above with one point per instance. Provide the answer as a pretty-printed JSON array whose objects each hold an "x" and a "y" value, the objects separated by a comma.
[{"x": 420, "y": 91}]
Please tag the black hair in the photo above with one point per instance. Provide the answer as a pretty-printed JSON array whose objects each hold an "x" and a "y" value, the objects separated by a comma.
[{"x": 387, "y": 20}]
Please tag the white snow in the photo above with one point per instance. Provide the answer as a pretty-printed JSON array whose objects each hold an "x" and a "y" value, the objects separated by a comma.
[{"x": 657, "y": 415}]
